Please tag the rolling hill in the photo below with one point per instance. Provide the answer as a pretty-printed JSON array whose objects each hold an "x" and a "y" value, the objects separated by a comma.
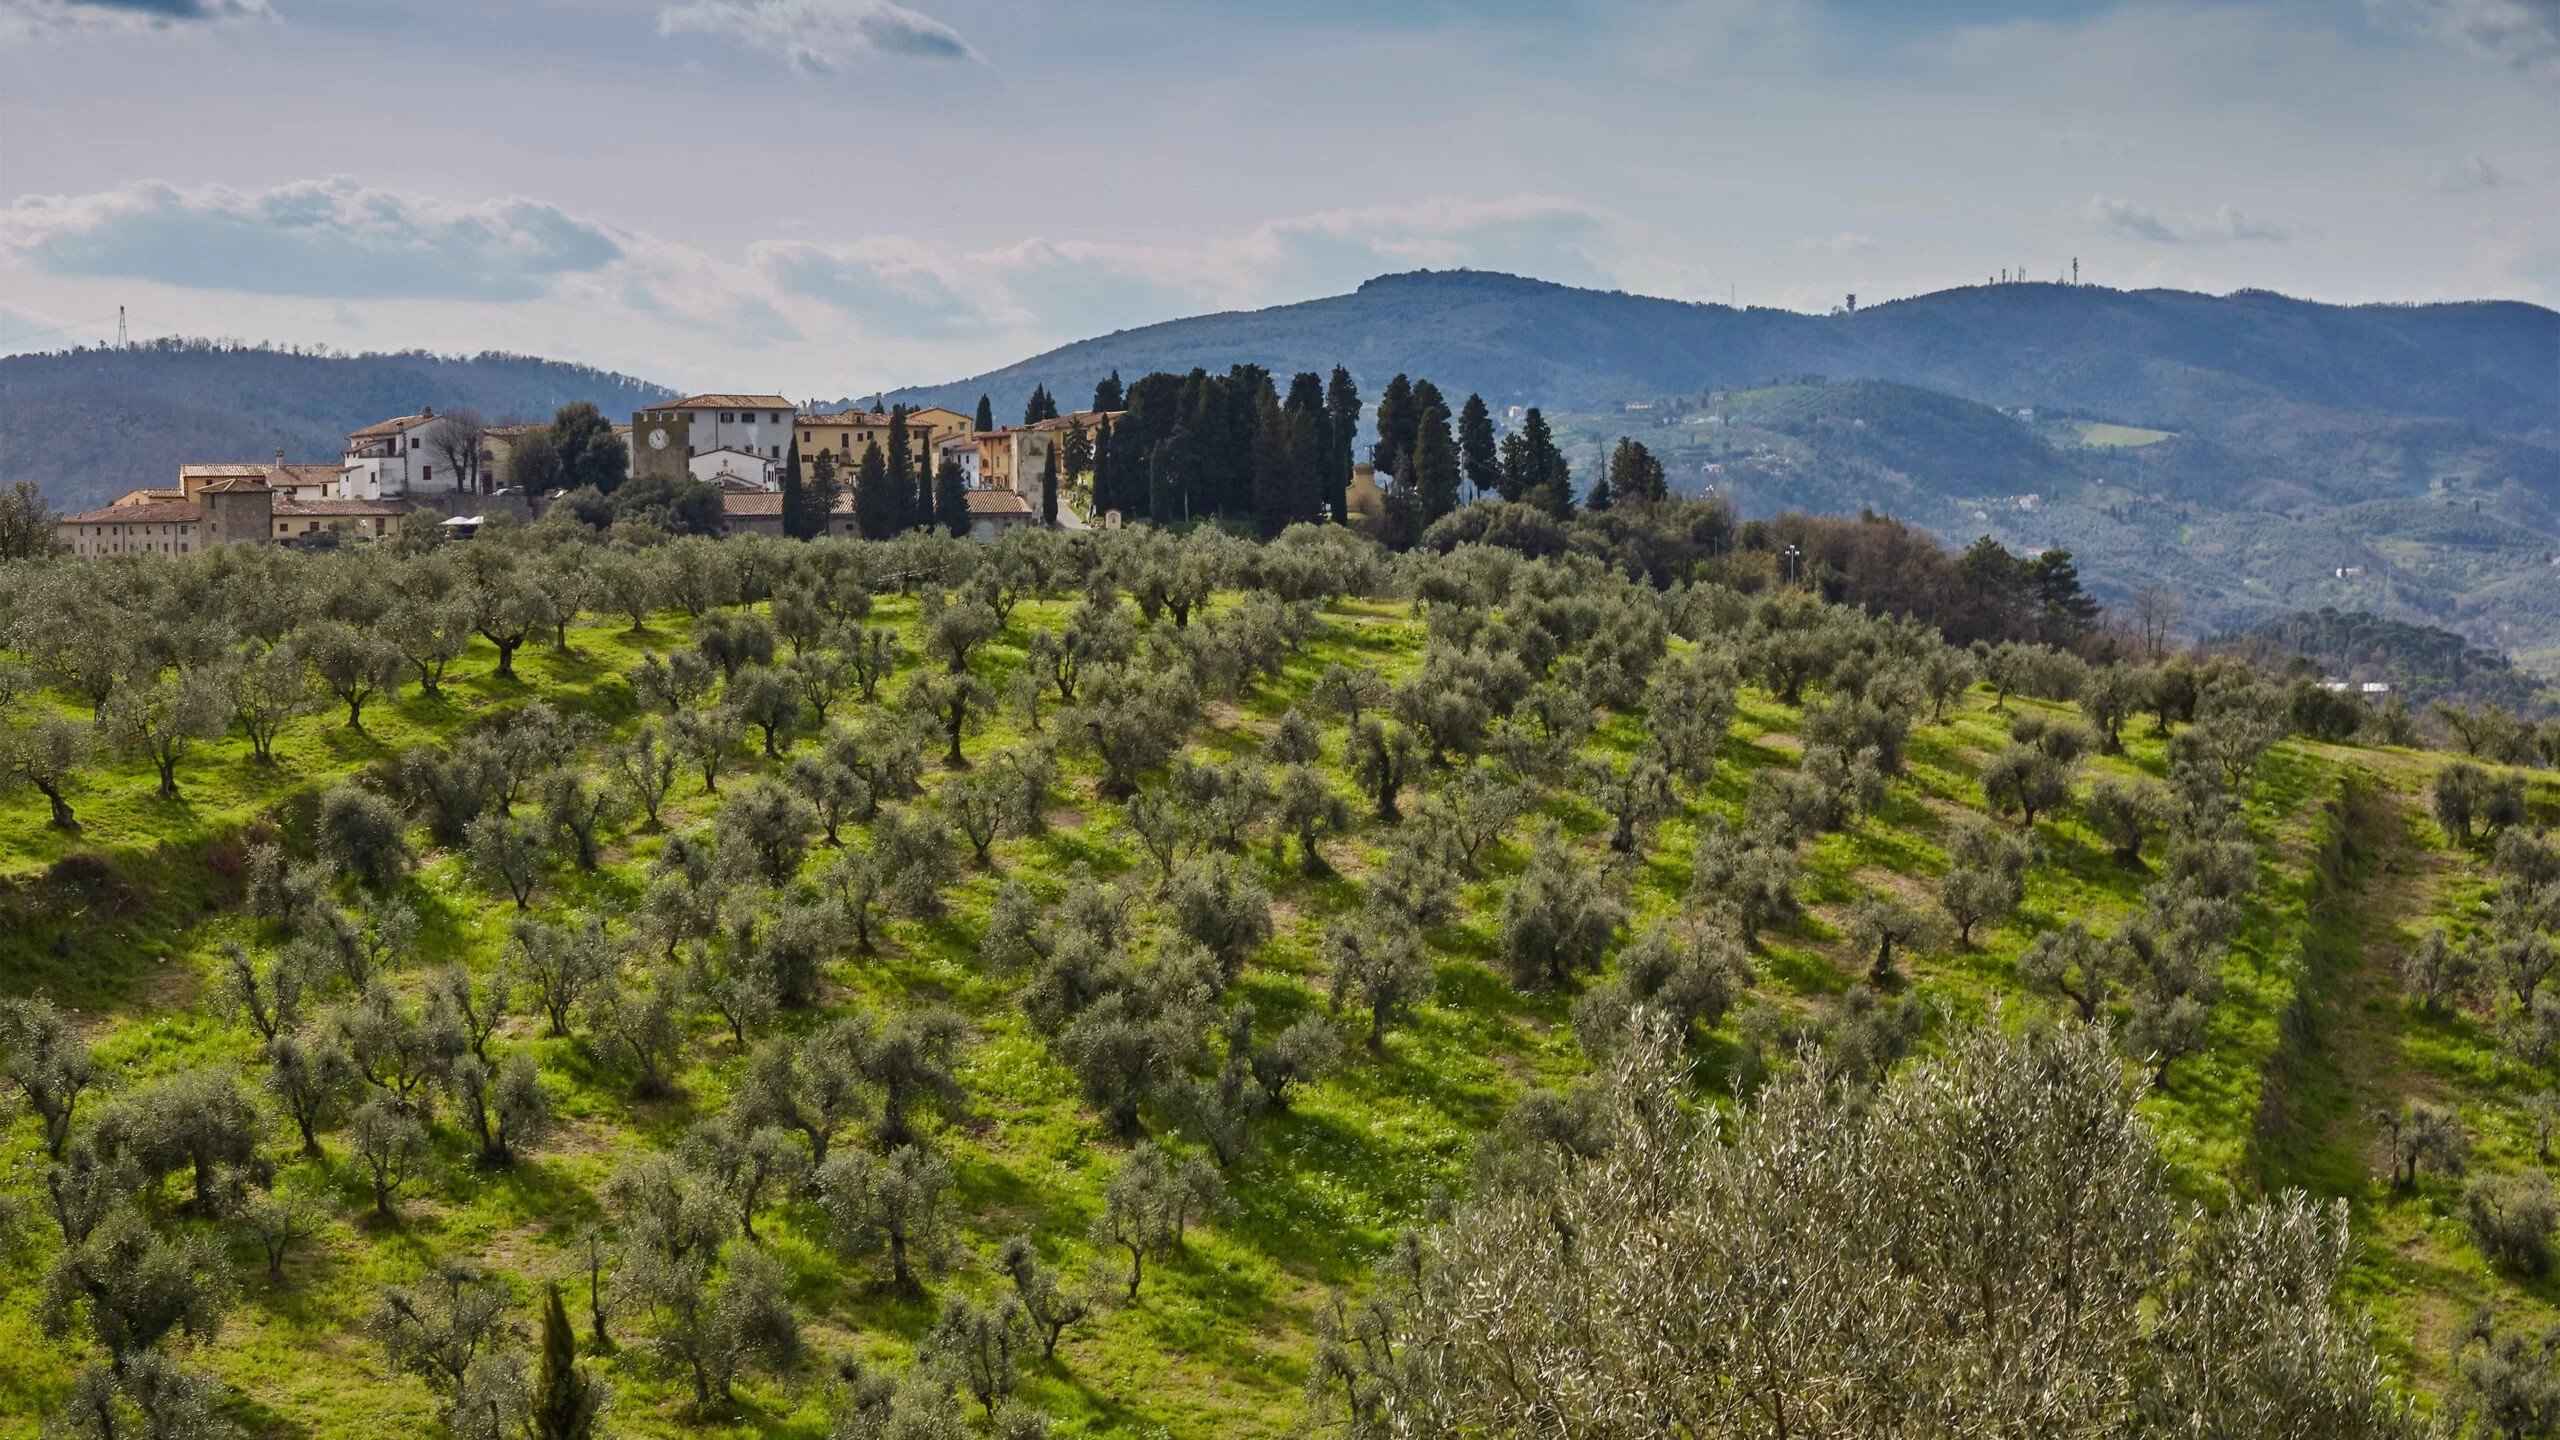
[
  {"x": 87, "y": 425},
  {"x": 2166, "y": 356}
]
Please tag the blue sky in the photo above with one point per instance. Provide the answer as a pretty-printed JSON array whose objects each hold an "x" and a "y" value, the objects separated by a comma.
[{"x": 829, "y": 196}]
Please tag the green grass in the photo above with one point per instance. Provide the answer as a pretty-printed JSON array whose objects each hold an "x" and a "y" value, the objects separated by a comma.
[
  {"x": 1219, "y": 1341},
  {"x": 2099, "y": 435}
]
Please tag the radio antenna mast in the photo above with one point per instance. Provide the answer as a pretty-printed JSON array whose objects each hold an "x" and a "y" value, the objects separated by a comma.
[{"x": 121, "y": 342}]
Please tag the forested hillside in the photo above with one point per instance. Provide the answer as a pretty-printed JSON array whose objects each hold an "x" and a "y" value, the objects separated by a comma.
[
  {"x": 1171, "y": 984},
  {"x": 88, "y": 425},
  {"x": 2145, "y": 356},
  {"x": 2425, "y": 663}
]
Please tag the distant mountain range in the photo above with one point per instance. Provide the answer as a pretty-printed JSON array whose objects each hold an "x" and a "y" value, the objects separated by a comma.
[
  {"x": 2146, "y": 356},
  {"x": 88, "y": 425}
]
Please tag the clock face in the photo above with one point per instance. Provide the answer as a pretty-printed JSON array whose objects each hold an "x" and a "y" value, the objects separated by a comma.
[{"x": 657, "y": 439}]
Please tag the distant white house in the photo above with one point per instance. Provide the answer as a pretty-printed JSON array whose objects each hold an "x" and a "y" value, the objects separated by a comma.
[
  {"x": 730, "y": 462},
  {"x": 396, "y": 459}
]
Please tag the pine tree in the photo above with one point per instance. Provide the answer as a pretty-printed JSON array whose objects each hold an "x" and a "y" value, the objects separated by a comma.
[
  {"x": 1040, "y": 407},
  {"x": 1600, "y": 498},
  {"x": 565, "y": 1401},
  {"x": 875, "y": 506},
  {"x": 915, "y": 504},
  {"x": 1108, "y": 396},
  {"x": 951, "y": 498},
  {"x": 795, "y": 501},
  {"x": 1476, "y": 450},
  {"x": 986, "y": 415},
  {"x": 1342, "y": 430}
]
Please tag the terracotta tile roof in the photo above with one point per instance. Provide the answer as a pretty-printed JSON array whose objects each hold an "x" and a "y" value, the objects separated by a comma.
[
  {"x": 168, "y": 512},
  {"x": 997, "y": 502},
  {"x": 319, "y": 509},
  {"x": 237, "y": 485},
  {"x": 726, "y": 401},
  {"x": 751, "y": 505},
  {"x": 151, "y": 496},
  {"x": 392, "y": 427},
  {"x": 251, "y": 470}
]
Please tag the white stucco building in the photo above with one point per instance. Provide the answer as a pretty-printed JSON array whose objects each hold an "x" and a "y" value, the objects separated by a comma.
[{"x": 700, "y": 424}]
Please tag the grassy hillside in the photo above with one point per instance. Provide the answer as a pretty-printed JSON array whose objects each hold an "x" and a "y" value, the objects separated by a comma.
[
  {"x": 88, "y": 425},
  {"x": 125, "y": 925}
]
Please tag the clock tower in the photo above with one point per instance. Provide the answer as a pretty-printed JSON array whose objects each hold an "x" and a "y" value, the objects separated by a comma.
[{"x": 661, "y": 440}]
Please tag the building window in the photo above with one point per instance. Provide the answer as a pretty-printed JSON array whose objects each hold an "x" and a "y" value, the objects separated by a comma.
[{"x": 726, "y": 418}]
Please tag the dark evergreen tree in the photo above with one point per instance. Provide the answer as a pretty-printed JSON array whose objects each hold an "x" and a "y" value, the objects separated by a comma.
[
  {"x": 951, "y": 498},
  {"x": 565, "y": 1401},
  {"x": 1049, "y": 483},
  {"x": 1106, "y": 476},
  {"x": 1275, "y": 498},
  {"x": 876, "y": 508},
  {"x": 1545, "y": 480},
  {"x": 1342, "y": 431},
  {"x": 1398, "y": 422},
  {"x": 1435, "y": 466},
  {"x": 1107, "y": 395},
  {"x": 1476, "y": 451},
  {"x": 986, "y": 415},
  {"x": 795, "y": 499},
  {"x": 1040, "y": 407},
  {"x": 1635, "y": 477},
  {"x": 824, "y": 490},
  {"x": 914, "y": 497}
]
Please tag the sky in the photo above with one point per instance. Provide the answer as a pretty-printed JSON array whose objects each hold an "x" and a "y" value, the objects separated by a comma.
[{"x": 830, "y": 197}]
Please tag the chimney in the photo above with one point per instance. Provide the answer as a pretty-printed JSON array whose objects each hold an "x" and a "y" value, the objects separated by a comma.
[
  {"x": 279, "y": 457},
  {"x": 426, "y": 412}
]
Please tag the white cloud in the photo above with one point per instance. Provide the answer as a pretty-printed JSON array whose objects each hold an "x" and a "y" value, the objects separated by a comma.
[
  {"x": 2523, "y": 33},
  {"x": 2130, "y": 221},
  {"x": 42, "y": 17},
  {"x": 2464, "y": 178},
  {"x": 332, "y": 238},
  {"x": 1848, "y": 245},
  {"x": 1067, "y": 289},
  {"x": 818, "y": 36}
]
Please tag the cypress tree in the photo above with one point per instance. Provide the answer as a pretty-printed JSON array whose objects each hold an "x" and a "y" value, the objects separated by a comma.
[
  {"x": 1635, "y": 476},
  {"x": 1342, "y": 432},
  {"x": 951, "y": 498},
  {"x": 1049, "y": 491},
  {"x": 1549, "y": 479},
  {"x": 902, "y": 476},
  {"x": 795, "y": 502},
  {"x": 1108, "y": 396},
  {"x": 824, "y": 488},
  {"x": 875, "y": 508},
  {"x": 1397, "y": 421},
  {"x": 1476, "y": 448},
  {"x": 1106, "y": 482},
  {"x": 565, "y": 1401},
  {"x": 1275, "y": 499},
  {"x": 1435, "y": 466},
  {"x": 986, "y": 415}
]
